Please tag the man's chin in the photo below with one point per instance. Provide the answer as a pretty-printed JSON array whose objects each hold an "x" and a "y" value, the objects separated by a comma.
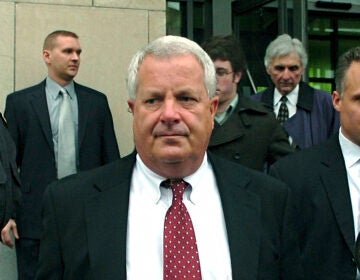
[
  {"x": 172, "y": 159},
  {"x": 171, "y": 155},
  {"x": 286, "y": 90}
]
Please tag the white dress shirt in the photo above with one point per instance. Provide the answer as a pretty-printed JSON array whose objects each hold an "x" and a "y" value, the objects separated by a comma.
[
  {"x": 222, "y": 117},
  {"x": 148, "y": 205},
  {"x": 351, "y": 154},
  {"x": 291, "y": 103}
]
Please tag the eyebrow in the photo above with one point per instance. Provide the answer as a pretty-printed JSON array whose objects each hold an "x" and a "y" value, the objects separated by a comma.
[{"x": 283, "y": 67}]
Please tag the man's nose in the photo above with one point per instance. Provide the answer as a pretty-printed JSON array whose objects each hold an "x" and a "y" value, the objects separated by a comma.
[
  {"x": 286, "y": 73},
  {"x": 75, "y": 56},
  {"x": 170, "y": 110}
]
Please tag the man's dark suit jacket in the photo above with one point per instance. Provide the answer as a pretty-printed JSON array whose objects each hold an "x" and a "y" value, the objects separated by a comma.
[
  {"x": 85, "y": 224},
  {"x": 315, "y": 119},
  {"x": 29, "y": 124},
  {"x": 318, "y": 180},
  {"x": 9, "y": 177},
  {"x": 251, "y": 136}
]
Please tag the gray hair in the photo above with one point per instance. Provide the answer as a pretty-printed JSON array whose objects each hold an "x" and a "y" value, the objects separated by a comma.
[
  {"x": 169, "y": 46},
  {"x": 284, "y": 45},
  {"x": 344, "y": 63}
]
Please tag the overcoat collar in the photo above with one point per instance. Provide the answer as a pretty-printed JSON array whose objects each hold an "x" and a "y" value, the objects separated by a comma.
[{"x": 305, "y": 99}]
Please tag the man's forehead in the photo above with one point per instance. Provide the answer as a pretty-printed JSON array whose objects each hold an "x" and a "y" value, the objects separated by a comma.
[
  {"x": 66, "y": 39},
  {"x": 290, "y": 59}
]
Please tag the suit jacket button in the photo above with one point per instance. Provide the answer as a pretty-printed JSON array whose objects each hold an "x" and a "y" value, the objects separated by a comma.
[{"x": 236, "y": 156}]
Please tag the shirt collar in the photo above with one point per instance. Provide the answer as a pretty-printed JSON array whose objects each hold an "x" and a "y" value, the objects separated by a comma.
[
  {"x": 222, "y": 117},
  {"x": 54, "y": 88},
  {"x": 291, "y": 96},
  {"x": 350, "y": 150},
  {"x": 154, "y": 180}
]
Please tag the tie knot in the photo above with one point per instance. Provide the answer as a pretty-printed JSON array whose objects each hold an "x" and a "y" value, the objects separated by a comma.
[
  {"x": 283, "y": 98},
  {"x": 63, "y": 92},
  {"x": 177, "y": 186}
]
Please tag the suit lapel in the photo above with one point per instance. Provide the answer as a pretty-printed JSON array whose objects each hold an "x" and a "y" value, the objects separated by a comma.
[
  {"x": 267, "y": 97},
  {"x": 84, "y": 107},
  {"x": 106, "y": 231},
  {"x": 242, "y": 212},
  {"x": 333, "y": 174},
  {"x": 305, "y": 97},
  {"x": 39, "y": 104},
  {"x": 106, "y": 222}
]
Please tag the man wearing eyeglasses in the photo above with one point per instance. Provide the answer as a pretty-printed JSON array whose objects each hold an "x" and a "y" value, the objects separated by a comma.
[
  {"x": 245, "y": 131},
  {"x": 306, "y": 113}
]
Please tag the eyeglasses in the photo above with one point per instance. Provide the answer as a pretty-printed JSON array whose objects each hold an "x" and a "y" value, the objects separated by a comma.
[{"x": 221, "y": 72}]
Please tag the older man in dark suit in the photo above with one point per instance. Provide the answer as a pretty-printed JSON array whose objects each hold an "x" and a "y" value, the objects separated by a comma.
[
  {"x": 306, "y": 113},
  {"x": 170, "y": 210},
  {"x": 59, "y": 128},
  {"x": 325, "y": 181}
]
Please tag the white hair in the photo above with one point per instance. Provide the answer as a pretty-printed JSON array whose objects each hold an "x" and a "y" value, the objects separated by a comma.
[{"x": 168, "y": 46}]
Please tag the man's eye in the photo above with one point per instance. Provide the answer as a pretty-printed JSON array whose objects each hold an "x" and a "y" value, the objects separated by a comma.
[
  {"x": 279, "y": 68},
  {"x": 151, "y": 100},
  {"x": 220, "y": 72},
  {"x": 185, "y": 98},
  {"x": 294, "y": 68},
  {"x": 291, "y": 68}
]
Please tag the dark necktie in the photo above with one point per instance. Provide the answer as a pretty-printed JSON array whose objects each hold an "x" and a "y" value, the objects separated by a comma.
[
  {"x": 283, "y": 114},
  {"x": 181, "y": 258},
  {"x": 66, "y": 161}
]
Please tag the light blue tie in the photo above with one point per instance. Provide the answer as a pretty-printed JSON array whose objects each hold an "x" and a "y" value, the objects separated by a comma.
[{"x": 66, "y": 161}]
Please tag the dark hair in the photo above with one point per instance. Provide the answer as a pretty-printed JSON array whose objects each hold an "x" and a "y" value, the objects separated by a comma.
[
  {"x": 50, "y": 39},
  {"x": 344, "y": 62},
  {"x": 226, "y": 48}
]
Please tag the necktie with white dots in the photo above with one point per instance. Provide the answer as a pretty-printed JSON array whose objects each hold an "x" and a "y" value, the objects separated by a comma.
[
  {"x": 181, "y": 258},
  {"x": 283, "y": 114}
]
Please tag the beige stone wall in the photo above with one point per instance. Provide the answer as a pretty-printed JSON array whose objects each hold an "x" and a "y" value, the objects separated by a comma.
[{"x": 110, "y": 32}]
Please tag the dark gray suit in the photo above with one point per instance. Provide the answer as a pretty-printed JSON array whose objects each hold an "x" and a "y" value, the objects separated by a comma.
[
  {"x": 29, "y": 125},
  {"x": 318, "y": 179},
  {"x": 85, "y": 224}
]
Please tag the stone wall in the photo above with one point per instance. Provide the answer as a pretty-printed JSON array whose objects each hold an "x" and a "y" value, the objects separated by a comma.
[{"x": 110, "y": 32}]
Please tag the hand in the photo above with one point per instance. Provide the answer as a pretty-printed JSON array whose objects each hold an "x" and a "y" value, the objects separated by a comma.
[{"x": 5, "y": 233}]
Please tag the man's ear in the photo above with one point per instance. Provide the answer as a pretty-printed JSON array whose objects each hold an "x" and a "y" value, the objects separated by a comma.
[
  {"x": 336, "y": 99},
  {"x": 46, "y": 56},
  {"x": 237, "y": 77},
  {"x": 131, "y": 104}
]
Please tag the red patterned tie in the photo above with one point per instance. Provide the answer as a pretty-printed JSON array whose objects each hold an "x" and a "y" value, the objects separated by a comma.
[{"x": 181, "y": 258}]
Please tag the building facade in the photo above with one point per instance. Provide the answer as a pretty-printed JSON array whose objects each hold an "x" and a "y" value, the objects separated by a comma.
[{"x": 110, "y": 32}]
